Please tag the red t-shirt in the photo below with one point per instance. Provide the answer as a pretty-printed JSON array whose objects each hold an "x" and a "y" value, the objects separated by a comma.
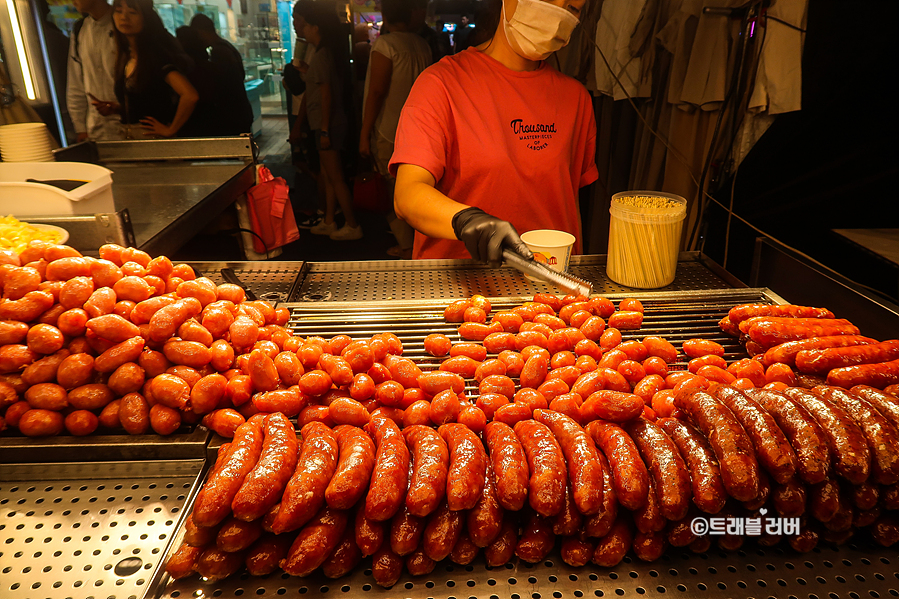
[{"x": 518, "y": 145}]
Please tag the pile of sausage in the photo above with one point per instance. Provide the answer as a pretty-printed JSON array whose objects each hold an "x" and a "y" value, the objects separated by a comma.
[
  {"x": 813, "y": 342},
  {"x": 134, "y": 343},
  {"x": 576, "y": 438}
]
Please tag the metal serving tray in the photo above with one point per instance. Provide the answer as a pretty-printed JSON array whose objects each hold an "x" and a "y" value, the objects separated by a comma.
[
  {"x": 88, "y": 530},
  {"x": 848, "y": 572}
]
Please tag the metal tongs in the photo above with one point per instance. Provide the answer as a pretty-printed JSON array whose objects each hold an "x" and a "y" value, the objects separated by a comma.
[{"x": 568, "y": 283}]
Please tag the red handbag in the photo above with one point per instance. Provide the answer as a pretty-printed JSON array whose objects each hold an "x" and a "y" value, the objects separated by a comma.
[
  {"x": 370, "y": 192},
  {"x": 271, "y": 214}
]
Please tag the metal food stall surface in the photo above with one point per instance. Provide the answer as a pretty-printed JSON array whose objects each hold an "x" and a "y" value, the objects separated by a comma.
[{"x": 364, "y": 299}]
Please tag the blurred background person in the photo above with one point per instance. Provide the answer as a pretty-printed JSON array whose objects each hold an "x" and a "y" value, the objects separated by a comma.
[
  {"x": 327, "y": 103},
  {"x": 154, "y": 96},
  {"x": 90, "y": 79},
  {"x": 397, "y": 59}
]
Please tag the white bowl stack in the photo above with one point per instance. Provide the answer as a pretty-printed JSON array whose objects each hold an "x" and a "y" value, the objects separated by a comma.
[{"x": 25, "y": 142}]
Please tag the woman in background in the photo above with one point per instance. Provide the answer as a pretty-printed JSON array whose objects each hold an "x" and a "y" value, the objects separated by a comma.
[
  {"x": 155, "y": 97},
  {"x": 325, "y": 105}
]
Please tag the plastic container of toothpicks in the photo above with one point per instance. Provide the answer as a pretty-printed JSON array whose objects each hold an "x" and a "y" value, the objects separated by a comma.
[{"x": 644, "y": 238}]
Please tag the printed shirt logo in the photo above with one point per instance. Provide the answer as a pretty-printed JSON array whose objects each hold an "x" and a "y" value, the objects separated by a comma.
[{"x": 535, "y": 135}]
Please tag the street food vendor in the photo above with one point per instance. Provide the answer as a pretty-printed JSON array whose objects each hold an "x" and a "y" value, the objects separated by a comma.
[{"x": 494, "y": 140}]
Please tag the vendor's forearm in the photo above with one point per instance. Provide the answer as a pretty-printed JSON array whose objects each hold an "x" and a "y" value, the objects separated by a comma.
[{"x": 425, "y": 208}]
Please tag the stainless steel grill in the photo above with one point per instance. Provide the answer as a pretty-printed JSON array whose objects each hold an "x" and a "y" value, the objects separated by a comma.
[
  {"x": 274, "y": 281},
  {"x": 82, "y": 530},
  {"x": 848, "y": 572},
  {"x": 440, "y": 279}
]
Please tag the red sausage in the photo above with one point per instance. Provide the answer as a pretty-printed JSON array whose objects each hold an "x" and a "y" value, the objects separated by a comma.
[
  {"x": 875, "y": 375},
  {"x": 213, "y": 503},
  {"x": 315, "y": 542},
  {"x": 731, "y": 444},
  {"x": 354, "y": 468},
  {"x": 305, "y": 491},
  {"x": 584, "y": 468},
  {"x": 390, "y": 477},
  {"x": 467, "y": 464},
  {"x": 263, "y": 486},
  {"x": 672, "y": 481},
  {"x": 771, "y": 446},
  {"x": 510, "y": 465},
  {"x": 484, "y": 521},
  {"x": 430, "y": 463},
  {"x": 629, "y": 474},
  {"x": 547, "y": 466},
  {"x": 705, "y": 475}
]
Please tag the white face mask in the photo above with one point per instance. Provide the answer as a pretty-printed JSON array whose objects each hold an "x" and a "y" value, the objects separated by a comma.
[{"x": 539, "y": 28}]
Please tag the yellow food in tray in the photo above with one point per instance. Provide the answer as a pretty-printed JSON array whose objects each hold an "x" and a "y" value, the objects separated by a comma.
[{"x": 16, "y": 235}]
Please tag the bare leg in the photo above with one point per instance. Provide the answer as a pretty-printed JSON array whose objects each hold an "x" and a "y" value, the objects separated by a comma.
[
  {"x": 330, "y": 160},
  {"x": 325, "y": 180}
]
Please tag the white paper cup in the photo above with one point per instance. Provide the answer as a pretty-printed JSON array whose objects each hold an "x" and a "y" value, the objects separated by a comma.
[{"x": 550, "y": 247}]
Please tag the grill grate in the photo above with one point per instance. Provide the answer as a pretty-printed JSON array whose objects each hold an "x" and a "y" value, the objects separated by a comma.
[
  {"x": 84, "y": 531},
  {"x": 436, "y": 279},
  {"x": 848, "y": 572},
  {"x": 274, "y": 281}
]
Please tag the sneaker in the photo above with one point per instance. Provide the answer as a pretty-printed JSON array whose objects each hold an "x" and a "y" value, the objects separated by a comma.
[
  {"x": 347, "y": 233},
  {"x": 324, "y": 228},
  {"x": 310, "y": 221}
]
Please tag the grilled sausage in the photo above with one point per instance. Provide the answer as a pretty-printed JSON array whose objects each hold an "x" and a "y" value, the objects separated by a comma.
[
  {"x": 705, "y": 475},
  {"x": 584, "y": 468},
  {"x": 547, "y": 467},
  {"x": 510, "y": 465}
]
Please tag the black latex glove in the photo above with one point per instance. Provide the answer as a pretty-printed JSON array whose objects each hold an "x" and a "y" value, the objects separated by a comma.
[{"x": 485, "y": 236}]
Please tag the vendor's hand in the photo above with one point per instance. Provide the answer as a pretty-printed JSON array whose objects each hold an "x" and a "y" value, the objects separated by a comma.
[
  {"x": 365, "y": 147},
  {"x": 154, "y": 127},
  {"x": 106, "y": 108},
  {"x": 485, "y": 236}
]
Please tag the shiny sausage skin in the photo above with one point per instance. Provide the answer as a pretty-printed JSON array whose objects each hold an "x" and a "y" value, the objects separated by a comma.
[
  {"x": 354, "y": 468},
  {"x": 441, "y": 532},
  {"x": 669, "y": 473},
  {"x": 183, "y": 562},
  {"x": 884, "y": 403},
  {"x": 575, "y": 552},
  {"x": 822, "y": 361},
  {"x": 214, "y": 564},
  {"x": 405, "y": 532},
  {"x": 547, "y": 466},
  {"x": 771, "y": 331},
  {"x": 649, "y": 547},
  {"x": 386, "y": 567},
  {"x": 537, "y": 539},
  {"x": 485, "y": 519},
  {"x": 789, "y": 499},
  {"x": 731, "y": 444},
  {"x": 584, "y": 467},
  {"x": 771, "y": 446},
  {"x": 803, "y": 432},
  {"x": 709, "y": 494},
  {"x": 467, "y": 464},
  {"x": 876, "y": 375},
  {"x": 265, "y": 554},
  {"x": 610, "y": 549},
  {"x": 418, "y": 563},
  {"x": 315, "y": 542},
  {"x": 629, "y": 474},
  {"x": 344, "y": 558},
  {"x": 430, "y": 464},
  {"x": 881, "y": 435},
  {"x": 599, "y": 524},
  {"x": 501, "y": 550},
  {"x": 368, "y": 534},
  {"x": 510, "y": 465},
  {"x": 649, "y": 517},
  {"x": 786, "y": 353},
  {"x": 569, "y": 521},
  {"x": 738, "y": 314},
  {"x": 305, "y": 491},
  {"x": 263, "y": 486},
  {"x": 237, "y": 535},
  {"x": 846, "y": 441},
  {"x": 390, "y": 477},
  {"x": 213, "y": 503}
]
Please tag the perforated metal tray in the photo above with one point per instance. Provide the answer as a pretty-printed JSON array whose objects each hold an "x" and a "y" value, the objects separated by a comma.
[
  {"x": 441, "y": 279},
  {"x": 271, "y": 280},
  {"x": 88, "y": 530}
]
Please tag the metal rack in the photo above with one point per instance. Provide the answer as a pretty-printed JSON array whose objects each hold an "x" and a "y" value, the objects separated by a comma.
[{"x": 850, "y": 572}]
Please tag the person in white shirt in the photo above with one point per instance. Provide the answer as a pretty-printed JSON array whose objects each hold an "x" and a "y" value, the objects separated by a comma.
[
  {"x": 91, "y": 73},
  {"x": 397, "y": 58}
]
